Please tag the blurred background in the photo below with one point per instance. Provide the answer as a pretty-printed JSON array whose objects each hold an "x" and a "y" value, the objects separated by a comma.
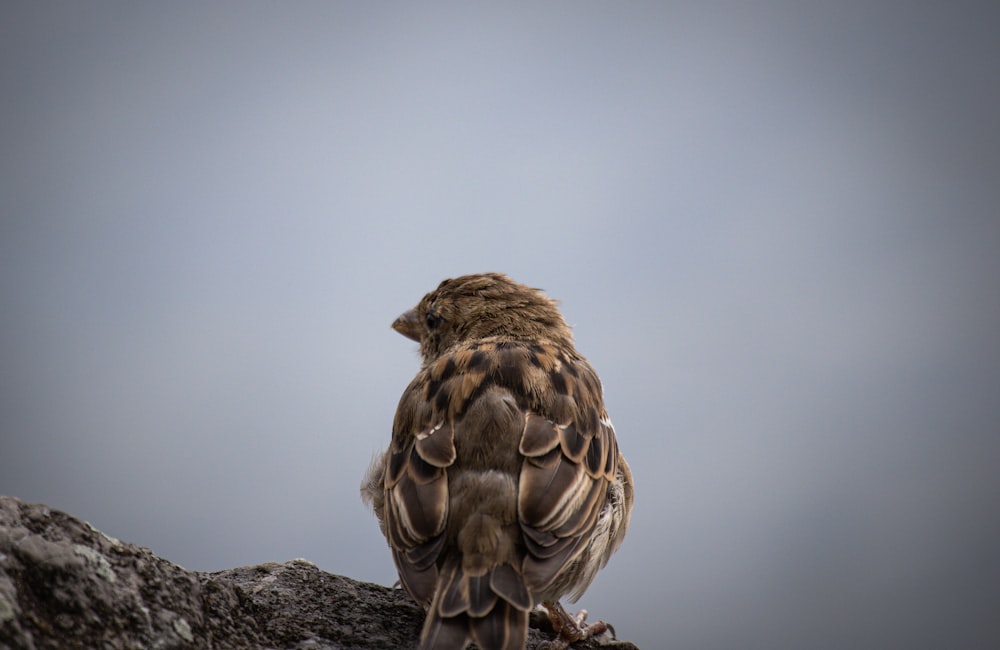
[{"x": 773, "y": 225}]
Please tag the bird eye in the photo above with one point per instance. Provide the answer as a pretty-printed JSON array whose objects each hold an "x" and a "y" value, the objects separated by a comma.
[{"x": 433, "y": 320}]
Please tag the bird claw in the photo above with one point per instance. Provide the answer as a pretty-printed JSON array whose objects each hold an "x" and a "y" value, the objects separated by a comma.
[{"x": 572, "y": 628}]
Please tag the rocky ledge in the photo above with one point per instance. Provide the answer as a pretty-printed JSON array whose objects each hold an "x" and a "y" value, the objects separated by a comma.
[{"x": 64, "y": 585}]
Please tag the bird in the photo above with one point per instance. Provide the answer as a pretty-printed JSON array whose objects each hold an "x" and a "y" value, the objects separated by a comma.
[{"x": 503, "y": 487}]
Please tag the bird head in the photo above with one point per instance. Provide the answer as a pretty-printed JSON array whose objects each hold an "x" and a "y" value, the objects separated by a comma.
[{"x": 480, "y": 306}]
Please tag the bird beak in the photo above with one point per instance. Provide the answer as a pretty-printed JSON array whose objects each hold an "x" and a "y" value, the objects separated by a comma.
[{"x": 408, "y": 324}]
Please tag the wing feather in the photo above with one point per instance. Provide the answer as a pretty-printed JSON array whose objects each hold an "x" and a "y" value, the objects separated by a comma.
[{"x": 564, "y": 480}]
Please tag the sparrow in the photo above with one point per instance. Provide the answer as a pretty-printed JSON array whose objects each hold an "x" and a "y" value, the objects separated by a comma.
[{"x": 503, "y": 486}]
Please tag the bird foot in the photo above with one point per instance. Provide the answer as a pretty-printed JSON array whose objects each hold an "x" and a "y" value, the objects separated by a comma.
[{"x": 571, "y": 628}]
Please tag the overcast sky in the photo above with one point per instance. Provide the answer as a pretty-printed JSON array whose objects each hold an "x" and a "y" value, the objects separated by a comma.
[{"x": 775, "y": 228}]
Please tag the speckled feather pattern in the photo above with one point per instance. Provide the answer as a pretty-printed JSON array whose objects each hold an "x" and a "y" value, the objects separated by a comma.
[{"x": 503, "y": 485}]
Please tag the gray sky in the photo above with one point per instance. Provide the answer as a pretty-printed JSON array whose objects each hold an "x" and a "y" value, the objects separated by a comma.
[{"x": 773, "y": 226}]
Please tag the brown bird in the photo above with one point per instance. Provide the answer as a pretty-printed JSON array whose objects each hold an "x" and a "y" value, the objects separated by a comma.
[{"x": 503, "y": 486}]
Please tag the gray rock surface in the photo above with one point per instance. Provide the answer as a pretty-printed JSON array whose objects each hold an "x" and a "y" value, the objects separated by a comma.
[{"x": 64, "y": 584}]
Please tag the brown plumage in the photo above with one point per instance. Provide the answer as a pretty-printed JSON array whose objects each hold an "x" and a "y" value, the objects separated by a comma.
[{"x": 503, "y": 486}]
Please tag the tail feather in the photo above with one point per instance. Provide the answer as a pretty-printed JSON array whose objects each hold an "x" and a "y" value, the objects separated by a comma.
[
  {"x": 444, "y": 633},
  {"x": 504, "y": 628},
  {"x": 490, "y": 609},
  {"x": 482, "y": 600},
  {"x": 462, "y": 593},
  {"x": 508, "y": 583}
]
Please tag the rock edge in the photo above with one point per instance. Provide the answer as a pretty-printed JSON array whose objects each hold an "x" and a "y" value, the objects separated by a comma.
[{"x": 66, "y": 585}]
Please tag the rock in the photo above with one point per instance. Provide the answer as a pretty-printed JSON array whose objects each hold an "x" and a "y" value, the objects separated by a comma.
[{"x": 65, "y": 585}]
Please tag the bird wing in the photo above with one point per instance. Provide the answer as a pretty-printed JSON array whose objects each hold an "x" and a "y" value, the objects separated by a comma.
[
  {"x": 562, "y": 493},
  {"x": 416, "y": 506},
  {"x": 417, "y": 462}
]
